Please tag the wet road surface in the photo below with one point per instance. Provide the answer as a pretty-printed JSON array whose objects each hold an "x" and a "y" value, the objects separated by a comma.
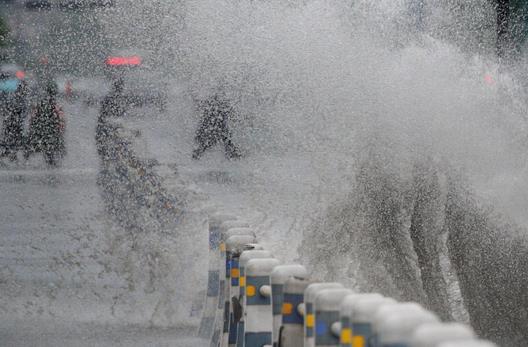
[{"x": 61, "y": 278}]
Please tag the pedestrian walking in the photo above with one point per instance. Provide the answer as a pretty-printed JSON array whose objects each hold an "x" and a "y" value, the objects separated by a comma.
[
  {"x": 47, "y": 128},
  {"x": 13, "y": 125}
]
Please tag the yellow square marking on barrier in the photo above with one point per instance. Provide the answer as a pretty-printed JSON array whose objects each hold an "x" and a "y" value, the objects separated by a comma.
[
  {"x": 242, "y": 281},
  {"x": 251, "y": 291},
  {"x": 287, "y": 308},
  {"x": 310, "y": 321},
  {"x": 235, "y": 273},
  {"x": 358, "y": 341},
  {"x": 222, "y": 247},
  {"x": 346, "y": 336}
]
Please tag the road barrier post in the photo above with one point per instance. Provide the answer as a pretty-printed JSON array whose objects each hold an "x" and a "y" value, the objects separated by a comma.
[
  {"x": 245, "y": 257},
  {"x": 222, "y": 228},
  {"x": 210, "y": 325},
  {"x": 327, "y": 323},
  {"x": 363, "y": 312},
  {"x": 279, "y": 276},
  {"x": 345, "y": 315},
  {"x": 258, "y": 315},
  {"x": 309, "y": 314},
  {"x": 234, "y": 247},
  {"x": 226, "y": 272},
  {"x": 292, "y": 330}
]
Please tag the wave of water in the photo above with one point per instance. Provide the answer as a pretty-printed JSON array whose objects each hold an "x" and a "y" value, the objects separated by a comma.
[
  {"x": 356, "y": 84},
  {"x": 372, "y": 101}
]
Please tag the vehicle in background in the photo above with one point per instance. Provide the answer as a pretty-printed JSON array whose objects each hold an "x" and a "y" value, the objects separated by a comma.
[
  {"x": 12, "y": 70},
  {"x": 143, "y": 86},
  {"x": 8, "y": 86},
  {"x": 11, "y": 76}
]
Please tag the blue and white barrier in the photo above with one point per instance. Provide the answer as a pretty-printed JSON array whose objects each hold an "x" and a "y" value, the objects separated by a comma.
[
  {"x": 259, "y": 313},
  {"x": 209, "y": 327},
  {"x": 363, "y": 312},
  {"x": 279, "y": 276},
  {"x": 346, "y": 312},
  {"x": 291, "y": 332},
  {"x": 245, "y": 257},
  {"x": 235, "y": 245},
  {"x": 219, "y": 224},
  {"x": 309, "y": 305},
  {"x": 327, "y": 324},
  {"x": 254, "y": 301},
  {"x": 225, "y": 272}
]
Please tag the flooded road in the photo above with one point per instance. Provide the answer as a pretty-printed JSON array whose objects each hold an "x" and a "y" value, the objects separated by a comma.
[
  {"x": 384, "y": 158},
  {"x": 62, "y": 279},
  {"x": 52, "y": 224}
]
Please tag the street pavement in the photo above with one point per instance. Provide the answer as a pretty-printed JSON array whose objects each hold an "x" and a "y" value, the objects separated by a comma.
[{"x": 66, "y": 276}]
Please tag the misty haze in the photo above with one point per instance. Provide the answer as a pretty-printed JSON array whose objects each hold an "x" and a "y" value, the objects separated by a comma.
[{"x": 381, "y": 144}]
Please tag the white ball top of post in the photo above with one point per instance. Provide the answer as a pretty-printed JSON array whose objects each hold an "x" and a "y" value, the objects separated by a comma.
[
  {"x": 236, "y": 243},
  {"x": 387, "y": 310},
  {"x": 253, "y": 254},
  {"x": 398, "y": 327},
  {"x": 281, "y": 273},
  {"x": 311, "y": 291},
  {"x": 432, "y": 334},
  {"x": 347, "y": 305},
  {"x": 330, "y": 299},
  {"x": 363, "y": 311},
  {"x": 261, "y": 267},
  {"x": 468, "y": 343},
  {"x": 238, "y": 231}
]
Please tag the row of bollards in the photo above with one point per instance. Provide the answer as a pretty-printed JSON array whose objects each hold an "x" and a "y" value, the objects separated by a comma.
[{"x": 253, "y": 300}]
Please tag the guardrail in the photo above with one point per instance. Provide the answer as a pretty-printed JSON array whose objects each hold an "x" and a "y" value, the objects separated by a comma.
[{"x": 254, "y": 300}]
